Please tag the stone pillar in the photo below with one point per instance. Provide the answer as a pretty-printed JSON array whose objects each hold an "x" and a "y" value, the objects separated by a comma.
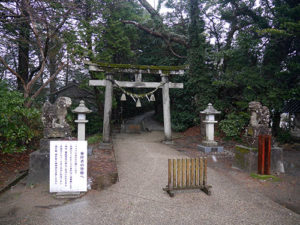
[
  {"x": 210, "y": 131},
  {"x": 166, "y": 108},
  {"x": 107, "y": 108},
  {"x": 209, "y": 121}
]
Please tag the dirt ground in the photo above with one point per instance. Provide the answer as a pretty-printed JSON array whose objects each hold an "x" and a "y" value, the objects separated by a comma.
[
  {"x": 286, "y": 191},
  {"x": 11, "y": 165}
]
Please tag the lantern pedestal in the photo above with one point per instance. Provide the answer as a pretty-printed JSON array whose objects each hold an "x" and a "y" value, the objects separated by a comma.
[
  {"x": 209, "y": 144},
  {"x": 208, "y": 149},
  {"x": 81, "y": 110}
]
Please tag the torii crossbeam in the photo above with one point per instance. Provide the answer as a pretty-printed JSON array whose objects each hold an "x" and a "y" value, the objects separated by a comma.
[{"x": 110, "y": 69}]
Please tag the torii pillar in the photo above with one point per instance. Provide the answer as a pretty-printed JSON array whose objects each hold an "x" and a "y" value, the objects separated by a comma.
[
  {"x": 164, "y": 73},
  {"x": 107, "y": 108},
  {"x": 166, "y": 108}
]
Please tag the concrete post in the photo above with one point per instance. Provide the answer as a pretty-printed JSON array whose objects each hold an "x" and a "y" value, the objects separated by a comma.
[
  {"x": 166, "y": 108},
  {"x": 107, "y": 108}
]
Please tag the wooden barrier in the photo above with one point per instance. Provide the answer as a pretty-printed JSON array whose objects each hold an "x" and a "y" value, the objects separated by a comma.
[{"x": 187, "y": 174}]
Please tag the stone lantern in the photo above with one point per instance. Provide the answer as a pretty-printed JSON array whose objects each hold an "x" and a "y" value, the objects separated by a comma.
[
  {"x": 81, "y": 110},
  {"x": 210, "y": 144}
]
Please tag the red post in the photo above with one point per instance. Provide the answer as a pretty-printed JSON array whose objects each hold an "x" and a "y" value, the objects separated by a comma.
[
  {"x": 260, "y": 159},
  {"x": 267, "y": 154},
  {"x": 264, "y": 154}
]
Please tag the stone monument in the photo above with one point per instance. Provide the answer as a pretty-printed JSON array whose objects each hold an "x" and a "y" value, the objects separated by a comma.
[
  {"x": 259, "y": 122},
  {"x": 209, "y": 144},
  {"x": 55, "y": 128},
  {"x": 295, "y": 131},
  {"x": 246, "y": 157},
  {"x": 53, "y": 118}
]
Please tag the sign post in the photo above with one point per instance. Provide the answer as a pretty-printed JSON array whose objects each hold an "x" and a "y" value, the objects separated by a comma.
[{"x": 68, "y": 166}]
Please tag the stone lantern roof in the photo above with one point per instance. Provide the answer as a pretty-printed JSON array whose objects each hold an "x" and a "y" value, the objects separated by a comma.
[
  {"x": 210, "y": 110},
  {"x": 82, "y": 109}
]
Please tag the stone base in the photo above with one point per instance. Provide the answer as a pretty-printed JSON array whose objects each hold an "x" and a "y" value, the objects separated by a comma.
[
  {"x": 210, "y": 143},
  {"x": 295, "y": 133},
  {"x": 58, "y": 132},
  {"x": 277, "y": 159},
  {"x": 246, "y": 158},
  {"x": 168, "y": 142},
  {"x": 68, "y": 195},
  {"x": 39, "y": 162},
  {"x": 208, "y": 149},
  {"x": 45, "y": 144},
  {"x": 90, "y": 150},
  {"x": 107, "y": 146},
  {"x": 38, "y": 167}
]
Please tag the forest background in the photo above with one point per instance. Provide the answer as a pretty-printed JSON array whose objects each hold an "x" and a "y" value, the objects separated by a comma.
[{"x": 237, "y": 51}]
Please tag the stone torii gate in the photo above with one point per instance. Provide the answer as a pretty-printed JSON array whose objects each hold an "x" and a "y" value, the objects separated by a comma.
[{"x": 138, "y": 70}]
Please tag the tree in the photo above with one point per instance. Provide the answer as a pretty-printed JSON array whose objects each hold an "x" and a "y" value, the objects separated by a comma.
[{"x": 31, "y": 23}]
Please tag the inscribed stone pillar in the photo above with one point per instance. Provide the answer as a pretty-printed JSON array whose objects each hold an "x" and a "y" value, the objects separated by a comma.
[
  {"x": 166, "y": 109},
  {"x": 107, "y": 108}
]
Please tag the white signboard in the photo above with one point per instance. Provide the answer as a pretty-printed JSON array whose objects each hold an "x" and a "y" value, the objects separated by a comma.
[{"x": 68, "y": 166}]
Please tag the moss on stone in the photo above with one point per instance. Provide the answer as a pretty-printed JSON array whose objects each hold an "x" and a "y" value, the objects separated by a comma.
[
  {"x": 165, "y": 69},
  {"x": 244, "y": 149},
  {"x": 265, "y": 177},
  {"x": 242, "y": 154}
]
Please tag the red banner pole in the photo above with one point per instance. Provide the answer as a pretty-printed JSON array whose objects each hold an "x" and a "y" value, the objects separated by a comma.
[
  {"x": 268, "y": 155},
  {"x": 259, "y": 164}
]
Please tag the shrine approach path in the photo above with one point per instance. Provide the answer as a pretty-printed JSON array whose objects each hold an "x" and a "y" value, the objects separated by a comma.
[{"x": 138, "y": 197}]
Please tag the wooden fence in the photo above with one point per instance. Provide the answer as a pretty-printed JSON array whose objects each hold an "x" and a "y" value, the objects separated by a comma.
[{"x": 187, "y": 174}]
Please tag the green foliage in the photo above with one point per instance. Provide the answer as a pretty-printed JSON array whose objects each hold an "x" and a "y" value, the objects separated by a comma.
[
  {"x": 233, "y": 124},
  {"x": 182, "y": 120},
  {"x": 18, "y": 125},
  {"x": 198, "y": 90},
  {"x": 94, "y": 139},
  {"x": 95, "y": 123},
  {"x": 284, "y": 136},
  {"x": 265, "y": 177}
]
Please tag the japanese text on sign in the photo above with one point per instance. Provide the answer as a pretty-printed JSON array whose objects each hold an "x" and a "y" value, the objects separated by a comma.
[{"x": 68, "y": 166}]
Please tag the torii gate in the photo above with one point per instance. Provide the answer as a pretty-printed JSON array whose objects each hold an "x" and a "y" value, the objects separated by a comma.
[{"x": 110, "y": 69}]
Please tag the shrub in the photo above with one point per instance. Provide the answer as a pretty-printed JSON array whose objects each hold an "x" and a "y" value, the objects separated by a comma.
[
  {"x": 234, "y": 123},
  {"x": 18, "y": 125},
  {"x": 182, "y": 120},
  {"x": 94, "y": 139},
  {"x": 284, "y": 136}
]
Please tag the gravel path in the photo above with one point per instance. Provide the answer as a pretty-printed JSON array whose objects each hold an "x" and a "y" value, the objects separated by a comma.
[{"x": 138, "y": 197}]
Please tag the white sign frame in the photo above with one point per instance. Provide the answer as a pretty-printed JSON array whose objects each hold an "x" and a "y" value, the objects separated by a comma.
[{"x": 68, "y": 166}]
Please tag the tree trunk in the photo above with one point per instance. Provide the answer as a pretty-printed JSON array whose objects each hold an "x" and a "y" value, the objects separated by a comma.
[
  {"x": 52, "y": 70},
  {"x": 276, "y": 123},
  {"x": 88, "y": 17},
  {"x": 23, "y": 48}
]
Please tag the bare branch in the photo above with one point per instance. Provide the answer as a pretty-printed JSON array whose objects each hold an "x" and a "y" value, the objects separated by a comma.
[
  {"x": 36, "y": 77},
  {"x": 13, "y": 71},
  {"x": 169, "y": 36},
  {"x": 29, "y": 102},
  {"x": 65, "y": 17},
  {"x": 150, "y": 9},
  {"x": 175, "y": 54},
  {"x": 34, "y": 29}
]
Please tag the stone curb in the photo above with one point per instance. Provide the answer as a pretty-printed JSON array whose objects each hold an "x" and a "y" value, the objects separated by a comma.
[{"x": 14, "y": 181}]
